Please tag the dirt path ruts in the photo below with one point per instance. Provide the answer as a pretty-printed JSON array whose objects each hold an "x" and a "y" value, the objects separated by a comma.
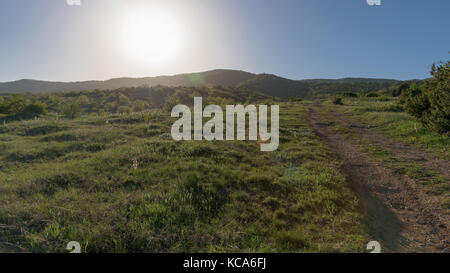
[
  {"x": 400, "y": 215},
  {"x": 400, "y": 150}
]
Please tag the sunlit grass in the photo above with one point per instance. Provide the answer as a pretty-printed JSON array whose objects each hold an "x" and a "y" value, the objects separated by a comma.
[
  {"x": 388, "y": 118},
  {"x": 119, "y": 183}
]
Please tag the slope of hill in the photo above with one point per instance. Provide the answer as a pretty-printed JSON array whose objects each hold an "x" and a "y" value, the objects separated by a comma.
[
  {"x": 213, "y": 77},
  {"x": 267, "y": 84},
  {"x": 275, "y": 86},
  {"x": 317, "y": 87}
]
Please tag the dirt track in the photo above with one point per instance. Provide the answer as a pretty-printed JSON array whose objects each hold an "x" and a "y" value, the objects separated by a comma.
[
  {"x": 402, "y": 151},
  {"x": 400, "y": 215}
]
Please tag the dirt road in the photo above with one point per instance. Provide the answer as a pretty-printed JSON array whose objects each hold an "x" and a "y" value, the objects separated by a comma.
[{"x": 400, "y": 214}]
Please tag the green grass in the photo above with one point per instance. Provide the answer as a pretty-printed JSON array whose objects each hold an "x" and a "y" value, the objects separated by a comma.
[
  {"x": 74, "y": 180},
  {"x": 388, "y": 118},
  {"x": 434, "y": 183}
]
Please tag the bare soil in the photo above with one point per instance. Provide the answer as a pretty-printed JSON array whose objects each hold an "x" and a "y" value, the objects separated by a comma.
[{"x": 399, "y": 212}]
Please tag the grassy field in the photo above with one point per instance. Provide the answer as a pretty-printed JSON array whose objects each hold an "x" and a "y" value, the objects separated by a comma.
[{"x": 119, "y": 183}]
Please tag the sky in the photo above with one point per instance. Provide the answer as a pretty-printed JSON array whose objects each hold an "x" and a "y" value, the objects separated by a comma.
[{"x": 296, "y": 39}]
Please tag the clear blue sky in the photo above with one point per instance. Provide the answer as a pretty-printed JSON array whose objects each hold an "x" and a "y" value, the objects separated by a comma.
[{"x": 297, "y": 39}]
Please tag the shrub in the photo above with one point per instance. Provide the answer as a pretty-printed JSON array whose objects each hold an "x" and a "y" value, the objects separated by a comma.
[
  {"x": 294, "y": 99},
  {"x": 140, "y": 105},
  {"x": 398, "y": 91},
  {"x": 35, "y": 108},
  {"x": 272, "y": 202},
  {"x": 430, "y": 102},
  {"x": 350, "y": 95},
  {"x": 372, "y": 95},
  {"x": 70, "y": 110},
  {"x": 5, "y": 108},
  {"x": 338, "y": 101},
  {"x": 22, "y": 108},
  {"x": 171, "y": 102},
  {"x": 82, "y": 100},
  {"x": 382, "y": 98},
  {"x": 123, "y": 110}
]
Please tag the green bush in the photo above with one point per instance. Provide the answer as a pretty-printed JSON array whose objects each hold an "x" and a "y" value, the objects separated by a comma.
[
  {"x": 350, "y": 95},
  {"x": 20, "y": 106},
  {"x": 382, "y": 98},
  {"x": 294, "y": 99},
  {"x": 372, "y": 95},
  {"x": 140, "y": 105},
  {"x": 338, "y": 101},
  {"x": 124, "y": 109},
  {"x": 35, "y": 108},
  {"x": 71, "y": 110},
  {"x": 430, "y": 102},
  {"x": 398, "y": 91},
  {"x": 171, "y": 102}
]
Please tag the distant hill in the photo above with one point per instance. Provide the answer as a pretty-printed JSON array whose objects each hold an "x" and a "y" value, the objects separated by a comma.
[
  {"x": 317, "y": 87},
  {"x": 267, "y": 84},
  {"x": 214, "y": 77},
  {"x": 276, "y": 86}
]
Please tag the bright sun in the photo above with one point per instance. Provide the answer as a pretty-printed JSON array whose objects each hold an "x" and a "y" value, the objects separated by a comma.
[{"x": 150, "y": 38}]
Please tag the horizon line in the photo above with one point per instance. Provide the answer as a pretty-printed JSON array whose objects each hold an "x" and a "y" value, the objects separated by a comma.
[{"x": 205, "y": 71}]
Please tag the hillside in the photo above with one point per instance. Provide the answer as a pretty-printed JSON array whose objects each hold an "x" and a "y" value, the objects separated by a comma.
[
  {"x": 275, "y": 86},
  {"x": 213, "y": 77},
  {"x": 268, "y": 84}
]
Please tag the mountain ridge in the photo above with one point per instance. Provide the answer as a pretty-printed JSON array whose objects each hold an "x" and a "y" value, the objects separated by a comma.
[{"x": 268, "y": 84}]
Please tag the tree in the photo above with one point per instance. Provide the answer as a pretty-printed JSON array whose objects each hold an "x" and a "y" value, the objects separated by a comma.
[
  {"x": 123, "y": 110},
  {"x": 5, "y": 108},
  {"x": 71, "y": 110},
  {"x": 35, "y": 108},
  {"x": 16, "y": 103},
  {"x": 111, "y": 107},
  {"x": 398, "y": 91},
  {"x": 171, "y": 102},
  {"x": 82, "y": 100},
  {"x": 140, "y": 105},
  {"x": 123, "y": 100}
]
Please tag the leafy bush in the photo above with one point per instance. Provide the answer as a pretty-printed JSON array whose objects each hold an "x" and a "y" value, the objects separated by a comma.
[
  {"x": 171, "y": 102},
  {"x": 140, "y": 105},
  {"x": 372, "y": 95},
  {"x": 71, "y": 110},
  {"x": 36, "y": 108},
  {"x": 430, "y": 102},
  {"x": 123, "y": 109},
  {"x": 338, "y": 101},
  {"x": 19, "y": 106},
  {"x": 382, "y": 98},
  {"x": 402, "y": 88},
  {"x": 350, "y": 95},
  {"x": 294, "y": 99}
]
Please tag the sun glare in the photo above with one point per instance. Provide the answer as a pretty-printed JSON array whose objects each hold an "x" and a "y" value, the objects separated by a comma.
[{"x": 150, "y": 37}]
